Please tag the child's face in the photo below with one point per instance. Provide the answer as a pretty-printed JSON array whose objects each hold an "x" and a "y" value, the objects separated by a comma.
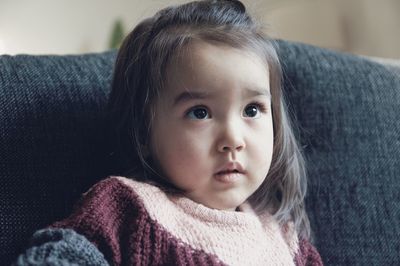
[{"x": 212, "y": 135}]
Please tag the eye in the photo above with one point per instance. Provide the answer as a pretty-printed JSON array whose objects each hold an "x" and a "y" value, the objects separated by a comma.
[
  {"x": 198, "y": 113},
  {"x": 253, "y": 110}
]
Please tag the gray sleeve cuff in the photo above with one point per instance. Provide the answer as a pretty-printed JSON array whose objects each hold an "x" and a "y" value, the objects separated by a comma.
[{"x": 60, "y": 247}]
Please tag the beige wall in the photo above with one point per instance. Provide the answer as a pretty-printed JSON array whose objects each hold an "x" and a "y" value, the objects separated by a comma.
[{"x": 368, "y": 27}]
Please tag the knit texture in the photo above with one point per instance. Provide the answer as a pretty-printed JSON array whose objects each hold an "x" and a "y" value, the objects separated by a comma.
[
  {"x": 133, "y": 223},
  {"x": 60, "y": 247},
  {"x": 348, "y": 112},
  {"x": 52, "y": 139},
  {"x": 307, "y": 255},
  {"x": 226, "y": 234}
]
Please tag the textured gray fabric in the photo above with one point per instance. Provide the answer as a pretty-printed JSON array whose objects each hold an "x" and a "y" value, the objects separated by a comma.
[
  {"x": 60, "y": 247},
  {"x": 348, "y": 111},
  {"x": 52, "y": 141}
]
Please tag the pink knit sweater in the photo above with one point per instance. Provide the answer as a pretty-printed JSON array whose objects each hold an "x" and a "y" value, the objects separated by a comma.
[{"x": 134, "y": 223}]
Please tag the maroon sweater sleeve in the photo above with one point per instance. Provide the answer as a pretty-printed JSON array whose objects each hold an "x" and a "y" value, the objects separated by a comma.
[
  {"x": 100, "y": 214},
  {"x": 307, "y": 255},
  {"x": 113, "y": 218}
]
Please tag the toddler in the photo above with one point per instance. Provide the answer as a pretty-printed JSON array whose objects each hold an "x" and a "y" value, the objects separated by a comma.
[{"x": 213, "y": 173}]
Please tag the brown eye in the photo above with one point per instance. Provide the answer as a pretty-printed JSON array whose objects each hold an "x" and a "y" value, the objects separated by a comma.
[
  {"x": 251, "y": 111},
  {"x": 198, "y": 113}
]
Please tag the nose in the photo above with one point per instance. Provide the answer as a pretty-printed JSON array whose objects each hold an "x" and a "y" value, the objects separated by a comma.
[{"x": 231, "y": 137}]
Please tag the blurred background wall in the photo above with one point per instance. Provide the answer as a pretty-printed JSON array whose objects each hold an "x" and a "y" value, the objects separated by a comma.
[{"x": 366, "y": 27}]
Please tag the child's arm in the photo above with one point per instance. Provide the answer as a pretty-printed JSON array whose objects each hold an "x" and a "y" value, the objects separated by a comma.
[
  {"x": 60, "y": 247},
  {"x": 91, "y": 234}
]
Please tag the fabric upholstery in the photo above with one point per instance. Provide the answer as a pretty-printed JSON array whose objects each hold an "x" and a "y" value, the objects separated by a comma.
[
  {"x": 53, "y": 145},
  {"x": 348, "y": 112}
]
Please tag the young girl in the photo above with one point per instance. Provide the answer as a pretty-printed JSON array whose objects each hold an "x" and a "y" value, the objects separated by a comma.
[{"x": 214, "y": 175}]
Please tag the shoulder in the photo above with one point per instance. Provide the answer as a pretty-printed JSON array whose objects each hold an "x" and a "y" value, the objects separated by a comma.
[
  {"x": 115, "y": 201},
  {"x": 287, "y": 231},
  {"x": 303, "y": 252},
  {"x": 117, "y": 190},
  {"x": 115, "y": 184},
  {"x": 105, "y": 196},
  {"x": 110, "y": 199},
  {"x": 111, "y": 206},
  {"x": 307, "y": 254}
]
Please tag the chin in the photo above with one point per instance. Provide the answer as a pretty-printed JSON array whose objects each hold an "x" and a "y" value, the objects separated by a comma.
[
  {"x": 224, "y": 207},
  {"x": 229, "y": 203}
]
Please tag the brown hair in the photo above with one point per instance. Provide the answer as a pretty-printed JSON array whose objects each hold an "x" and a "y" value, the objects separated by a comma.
[{"x": 139, "y": 75}]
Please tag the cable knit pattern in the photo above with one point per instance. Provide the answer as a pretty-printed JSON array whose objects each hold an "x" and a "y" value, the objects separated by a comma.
[{"x": 133, "y": 223}]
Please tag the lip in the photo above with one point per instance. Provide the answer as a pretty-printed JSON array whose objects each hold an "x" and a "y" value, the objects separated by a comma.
[
  {"x": 228, "y": 178},
  {"x": 230, "y": 172}
]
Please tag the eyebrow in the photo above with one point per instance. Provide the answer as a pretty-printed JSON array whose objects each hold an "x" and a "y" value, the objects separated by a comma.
[
  {"x": 194, "y": 95},
  {"x": 190, "y": 95}
]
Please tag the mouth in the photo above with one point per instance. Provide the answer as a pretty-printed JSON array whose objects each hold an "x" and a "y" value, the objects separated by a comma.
[
  {"x": 231, "y": 167},
  {"x": 226, "y": 172},
  {"x": 230, "y": 172}
]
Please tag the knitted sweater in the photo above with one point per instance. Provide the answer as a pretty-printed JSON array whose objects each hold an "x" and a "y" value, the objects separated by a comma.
[{"x": 124, "y": 222}]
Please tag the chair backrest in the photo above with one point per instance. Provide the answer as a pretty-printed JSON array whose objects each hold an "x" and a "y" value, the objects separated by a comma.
[
  {"x": 348, "y": 112},
  {"x": 52, "y": 141}
]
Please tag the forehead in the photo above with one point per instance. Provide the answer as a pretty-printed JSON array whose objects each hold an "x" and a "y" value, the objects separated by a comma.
[
  {"x": 203, "y": 50},
  {"x": 205, "y": 66}
]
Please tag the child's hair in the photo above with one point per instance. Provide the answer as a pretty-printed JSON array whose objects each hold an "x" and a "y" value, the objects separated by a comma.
[{"x": 139, "y": 76}]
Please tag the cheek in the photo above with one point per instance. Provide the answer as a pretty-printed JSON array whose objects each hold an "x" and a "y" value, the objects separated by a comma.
[
  {"x": 263, "y": 141},
  {"x": 178, "y": 153},
  {"x": 183, "y": 164}
]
